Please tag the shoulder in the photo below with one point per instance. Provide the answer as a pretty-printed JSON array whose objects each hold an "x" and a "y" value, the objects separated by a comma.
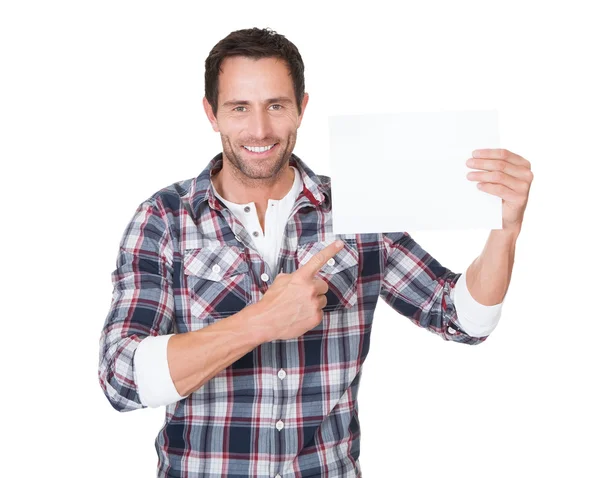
[{"x": 172, "y": 196}]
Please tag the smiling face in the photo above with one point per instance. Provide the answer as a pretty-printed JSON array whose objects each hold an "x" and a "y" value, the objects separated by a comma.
[{"x": 257, "y": 116}]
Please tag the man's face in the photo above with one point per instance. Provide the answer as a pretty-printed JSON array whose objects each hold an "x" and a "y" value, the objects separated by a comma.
[{"x": 257, "y": 108}]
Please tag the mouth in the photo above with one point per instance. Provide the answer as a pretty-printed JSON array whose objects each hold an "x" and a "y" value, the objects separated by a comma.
[{"x": 260, "y": 151}]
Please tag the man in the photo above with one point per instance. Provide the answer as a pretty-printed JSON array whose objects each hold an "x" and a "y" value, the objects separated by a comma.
[{"x": 235, "y": 308}]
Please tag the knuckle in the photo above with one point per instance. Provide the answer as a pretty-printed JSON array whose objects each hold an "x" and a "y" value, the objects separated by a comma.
[{"x": 319, "y": 257}]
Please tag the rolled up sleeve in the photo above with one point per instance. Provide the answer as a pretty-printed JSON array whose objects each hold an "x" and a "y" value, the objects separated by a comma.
[
  {"x": 142, "y": 303},
  {"x": 475, "y": 319},
  {"x": 418, "y": 287}
]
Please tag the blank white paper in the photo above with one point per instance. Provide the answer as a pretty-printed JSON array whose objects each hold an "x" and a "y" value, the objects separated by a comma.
[{"x": 407, "y": 172}]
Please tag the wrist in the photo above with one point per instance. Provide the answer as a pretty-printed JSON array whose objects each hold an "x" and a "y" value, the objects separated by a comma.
[
  {"x": 510, "y": 233},
  {"x": 256, "y": 324},
  {"x": 506, "y": 237}
]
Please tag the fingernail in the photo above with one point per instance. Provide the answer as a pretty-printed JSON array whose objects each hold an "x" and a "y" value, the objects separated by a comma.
[{"x": 339, "y": 243}]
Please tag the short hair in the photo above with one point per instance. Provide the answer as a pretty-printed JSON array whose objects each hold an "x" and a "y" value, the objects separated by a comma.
[{"x": 253, "y": 43}]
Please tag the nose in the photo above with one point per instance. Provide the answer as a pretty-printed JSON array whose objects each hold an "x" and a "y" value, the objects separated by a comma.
[{"x": 259, "y": 125}]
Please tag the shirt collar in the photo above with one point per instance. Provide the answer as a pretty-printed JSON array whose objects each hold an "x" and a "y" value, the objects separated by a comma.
[
  {"x": 288, "y": 199},
  {"x": 316, "y": 188}
]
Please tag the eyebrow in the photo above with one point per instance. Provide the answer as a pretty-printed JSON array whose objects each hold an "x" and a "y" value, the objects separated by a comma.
[{"x": 279, "y": 99}]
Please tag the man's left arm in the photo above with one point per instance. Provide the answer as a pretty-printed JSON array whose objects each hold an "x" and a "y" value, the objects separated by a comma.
[
  {"x": 419, "y": 287},
  {"x": 479, "y": 293},
  {"x": 508, "y": 176}
]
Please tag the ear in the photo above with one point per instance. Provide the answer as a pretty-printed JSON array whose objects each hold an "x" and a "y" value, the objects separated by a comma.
[
  {"x": 304, "y": 102},
  {"x": 209, "y": 113}
]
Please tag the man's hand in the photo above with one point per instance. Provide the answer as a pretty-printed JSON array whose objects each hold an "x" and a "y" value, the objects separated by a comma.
[
  {"x": 294, "y": 302},
  {"x": 506, "y": 175}
]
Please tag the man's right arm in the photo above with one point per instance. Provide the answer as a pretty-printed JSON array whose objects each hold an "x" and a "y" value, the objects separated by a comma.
[
  {"x": 140, "y": 363},
  {"x": 196, "y": 357},
  {"x": 171, "y": 367}
]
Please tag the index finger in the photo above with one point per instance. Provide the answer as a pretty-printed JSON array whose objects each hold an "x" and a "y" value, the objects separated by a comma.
[
  {"x": 504, "y": 154},
  {"x": 317, "y": 261}
]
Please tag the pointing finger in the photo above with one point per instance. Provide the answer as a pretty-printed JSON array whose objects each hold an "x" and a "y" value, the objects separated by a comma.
[{"x": 317, "y": 261}]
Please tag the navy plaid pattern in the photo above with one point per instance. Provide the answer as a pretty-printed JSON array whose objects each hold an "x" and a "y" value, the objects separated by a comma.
[{"x": 185, "y": 262}]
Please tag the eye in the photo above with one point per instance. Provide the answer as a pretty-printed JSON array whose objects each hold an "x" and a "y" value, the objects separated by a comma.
[
  {"x": 279, "y": 107},
  {"x": 237, "y": 108}
]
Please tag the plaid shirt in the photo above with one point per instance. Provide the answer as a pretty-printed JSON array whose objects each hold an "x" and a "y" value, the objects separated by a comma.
[{"x": 248, "y": 420}]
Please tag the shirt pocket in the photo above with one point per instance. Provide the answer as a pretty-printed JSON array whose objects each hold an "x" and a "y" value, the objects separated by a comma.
[
  {"x": 340, "y": 273},
  {"x": 217, "y": 282}
]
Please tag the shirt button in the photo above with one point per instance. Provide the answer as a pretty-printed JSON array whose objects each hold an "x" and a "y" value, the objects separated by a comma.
[
  {"x": 281, "y": 374},
  {"x": 264, "y": 277},
  {"x": 255, "y": 233},
  {"x": 237, "y": 238},
  {"x": 279, "y": 425},
  {"x": 331, "y": 261},
  {"x": 451, "y": 330},
  {"x": 216, "y": 268},
  {"x": 277, "y": 475},
  {"x": 247, "y": 209}
]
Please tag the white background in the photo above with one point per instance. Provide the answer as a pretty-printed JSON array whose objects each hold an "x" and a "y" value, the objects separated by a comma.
[{"x": 101, "y": 106}]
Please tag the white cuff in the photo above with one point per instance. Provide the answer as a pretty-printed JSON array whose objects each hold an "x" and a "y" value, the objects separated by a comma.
[
  {"x": 153, "y": 379},
  {"x": 475, "y": 319}
]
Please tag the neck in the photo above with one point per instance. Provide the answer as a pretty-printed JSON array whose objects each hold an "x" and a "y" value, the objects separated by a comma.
[{"x": 242, "y": 190}]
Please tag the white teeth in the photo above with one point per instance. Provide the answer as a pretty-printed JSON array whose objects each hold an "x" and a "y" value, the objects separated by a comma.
[{"x": 258, "y": 149}]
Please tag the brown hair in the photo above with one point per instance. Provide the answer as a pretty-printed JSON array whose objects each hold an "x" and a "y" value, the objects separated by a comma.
[{"x": 253, "y": 43}]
